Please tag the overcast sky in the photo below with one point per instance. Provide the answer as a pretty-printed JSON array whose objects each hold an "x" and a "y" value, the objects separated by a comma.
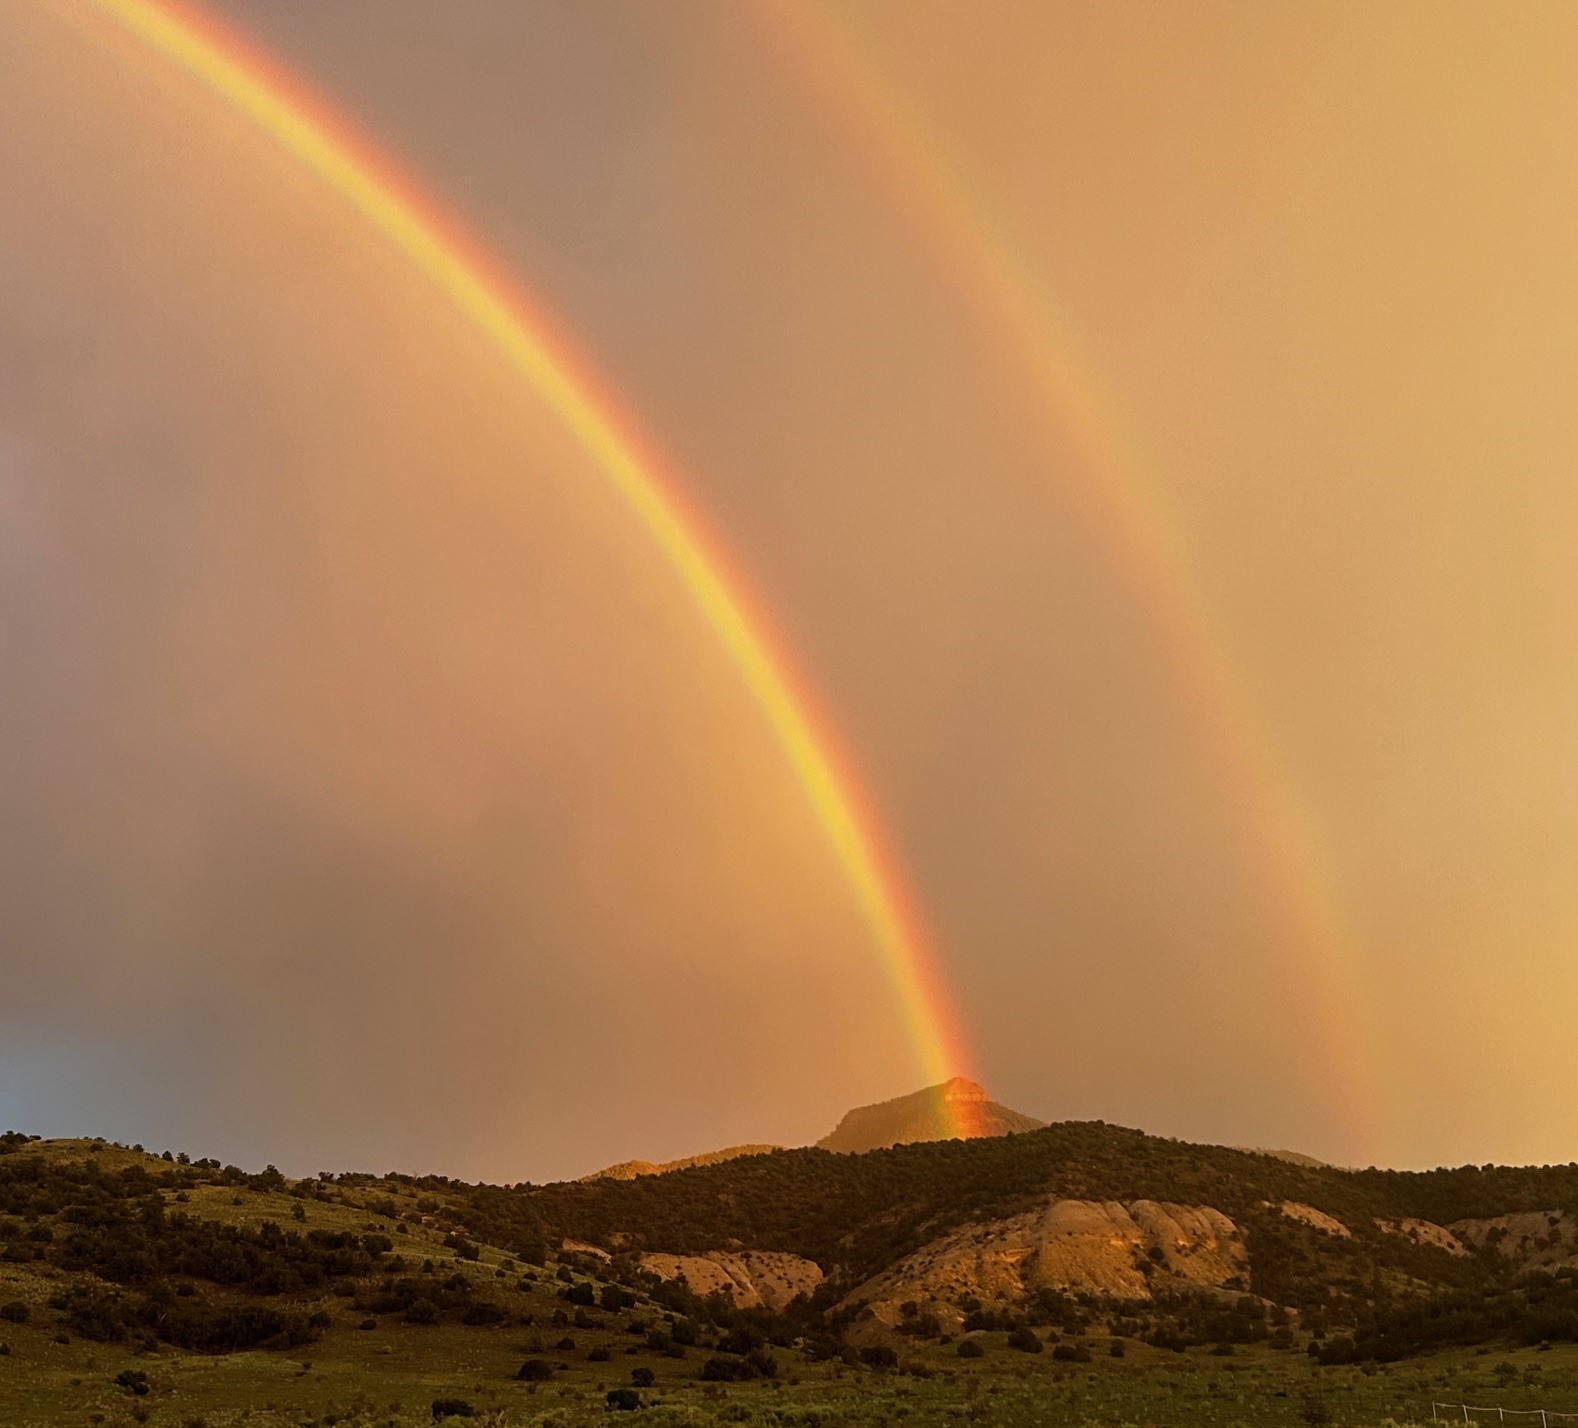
[{"x": 370, "y": 795}]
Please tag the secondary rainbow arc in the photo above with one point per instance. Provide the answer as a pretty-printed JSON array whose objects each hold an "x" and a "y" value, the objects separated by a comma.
[
  {"x": 523, "y": 336},
  {"x": 1123, "y": 508}
]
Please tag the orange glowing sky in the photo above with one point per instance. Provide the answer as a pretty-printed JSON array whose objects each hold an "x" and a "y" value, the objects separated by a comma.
[{"x": 1150, "y": 431}]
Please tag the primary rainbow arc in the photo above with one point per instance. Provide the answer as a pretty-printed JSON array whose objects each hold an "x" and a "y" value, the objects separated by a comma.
[{"x": 251, "y": 85}]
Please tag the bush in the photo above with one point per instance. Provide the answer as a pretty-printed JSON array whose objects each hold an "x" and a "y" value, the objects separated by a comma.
[
  {"x": 623, "y": 1400},
  {"x": 134, "y": 1381},
  {"x": 879, "y": 1356},
  {"x": 535, "y": 1371},
  {"x": 1071, "y": 1354},
  {"x": 642, "y": 1377},
  {"x": 970, "y": 1349},
  {"x": 452, "y": 1408},
  {"x": 740, "y": 1340},
  {"x": 14, "y": 1312},
  {"x": 1024, "y": 1339}
]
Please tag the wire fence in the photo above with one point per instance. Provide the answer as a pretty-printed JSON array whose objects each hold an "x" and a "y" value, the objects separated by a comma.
[{"x": 1469, "y": 1413}]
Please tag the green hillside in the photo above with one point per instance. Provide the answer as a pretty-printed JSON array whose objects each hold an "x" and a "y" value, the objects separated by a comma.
[{"x": 125, "y": 1275}]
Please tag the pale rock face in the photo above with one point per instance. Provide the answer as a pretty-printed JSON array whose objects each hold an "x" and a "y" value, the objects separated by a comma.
[
  {"x": 1315, "y": 1219},
  {"x": 1099, "y": 1246},
  {"x": 581, "y": 1247},
  {"x": 1423, "y": 1232},
  {"x": 1541, "y": 1239},
  {"x": 753, "y": 1278}
]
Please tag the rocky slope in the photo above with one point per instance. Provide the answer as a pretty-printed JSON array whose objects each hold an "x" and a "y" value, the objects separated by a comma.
[
  {"x": 753, "y": 1279},
  {"x": 1537, "y": 1239},
  {"x": 1103, "y": 1247},
  {"x": 956, "y": 1110}
]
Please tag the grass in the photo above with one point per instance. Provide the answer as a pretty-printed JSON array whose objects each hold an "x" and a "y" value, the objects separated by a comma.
[{"x": 392, "y": 1373}]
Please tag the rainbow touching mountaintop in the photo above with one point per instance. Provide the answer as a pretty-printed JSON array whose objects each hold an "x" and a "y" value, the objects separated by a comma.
[{"x": 242, "y": 78}]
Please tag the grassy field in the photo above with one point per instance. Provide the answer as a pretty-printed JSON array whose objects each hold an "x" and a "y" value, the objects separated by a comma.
[
  {"x": 380, "y": 1370},
  {"x": 394, "y": 1373}
]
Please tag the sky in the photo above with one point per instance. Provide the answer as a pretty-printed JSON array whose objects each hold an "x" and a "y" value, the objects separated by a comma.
[{"x": 1150, "y": 429}]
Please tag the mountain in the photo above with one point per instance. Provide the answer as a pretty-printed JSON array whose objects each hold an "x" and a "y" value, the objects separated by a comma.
[
  {"x": 630, "y": 1169},
  {"x": 936, "y": 1113},
  {"x": 956, "y": 1110}
]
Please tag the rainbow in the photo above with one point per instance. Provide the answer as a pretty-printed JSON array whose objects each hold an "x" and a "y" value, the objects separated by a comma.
[
  {"x": 1122, "y": 504},
  {"x": 521, "y": 334}
]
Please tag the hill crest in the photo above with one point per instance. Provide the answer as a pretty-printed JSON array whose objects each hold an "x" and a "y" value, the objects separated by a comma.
[{"x": 958, "y": 1109}]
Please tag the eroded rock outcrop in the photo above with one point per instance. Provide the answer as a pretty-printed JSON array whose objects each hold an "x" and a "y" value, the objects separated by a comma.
[
  {"x": 753, "y": 1278},
  {"x": 1315, "y": 1219},
  {"x": 1101, "y": 1246},
  {"x": 1424, "y": 1232},
  {"x": 1540, "y": 1239}
]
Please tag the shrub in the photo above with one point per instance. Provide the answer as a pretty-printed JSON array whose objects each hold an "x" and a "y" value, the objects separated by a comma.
[
  {"x": 970, "y": 1349},
  {"x": 14, "y": 1312},
  {"x": 623, "y": 1400},
  {"x": 535, "y": 1371},
  {"x": 879, "y": 1356},
  {"x": 134, "y": 1381},
  {"x": 642, "y": 1377},
  {"x": 761, "y": 1364},
  {"x": 452, "y": 1408},
  {"x": 1024, "y": 1339},
  {"x": 1071, "y": 1354},
  {"x": 740, "y": 1340}
]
